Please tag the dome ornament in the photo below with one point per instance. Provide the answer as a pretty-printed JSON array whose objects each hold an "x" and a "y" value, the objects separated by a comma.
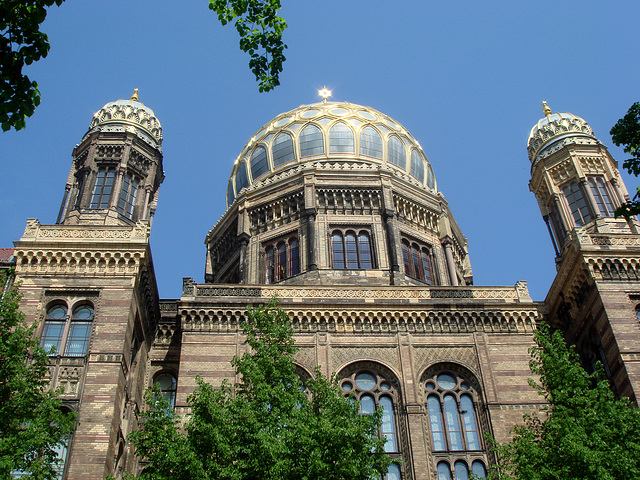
[
  {"x": 134, "y": 97},
  {"x": 324, "y": 93},
  {"x": 545, "y": 109}
]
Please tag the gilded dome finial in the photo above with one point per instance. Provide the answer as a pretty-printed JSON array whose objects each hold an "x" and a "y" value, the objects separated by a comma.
[
  {"x": 545, "y": 109},
  {"x": 324, "y": 93},
  {"x": 135, "y": 97}
]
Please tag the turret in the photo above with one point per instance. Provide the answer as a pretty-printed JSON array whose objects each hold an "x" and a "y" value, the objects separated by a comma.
[
  {"x": 574, "y": 179},
  {"x": 117, "y": 167}
]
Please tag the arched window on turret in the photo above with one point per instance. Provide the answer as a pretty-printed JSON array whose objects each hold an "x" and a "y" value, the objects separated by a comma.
[
  {"x": 128, "y": 196},
  {"x": 103, "y": 188},
  {"x": 600, "y": 193},
  {"x": 576, "y": 203}
]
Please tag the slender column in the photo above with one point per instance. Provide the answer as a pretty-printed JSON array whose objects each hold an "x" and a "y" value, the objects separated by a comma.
[
  {"x": 311, "y": 239},
  {"x": 560, "y": 210},
  {"x": 390, "y": 227},
  {"x": 147, "y": 195},
  {"x": 63, "y": 205},
  {"x": 117, "y": 188},
  {"x": 553, "y": 240},
  {"x": 451, "y": 265},
  {"x": 587, "y": 190},
  {"x": 244, "y": 241}
]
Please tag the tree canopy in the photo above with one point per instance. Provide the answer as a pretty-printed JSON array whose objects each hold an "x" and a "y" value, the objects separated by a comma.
[
  {"x": 626, "y": 133},
  {"x": 270, "y": 425},
  {"x": 584, "y": 433},
  {"x": 33, "y": 428}
]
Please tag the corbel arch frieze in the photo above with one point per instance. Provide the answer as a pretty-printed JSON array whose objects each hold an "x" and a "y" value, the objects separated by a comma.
[{"x": 61, "y": 262}]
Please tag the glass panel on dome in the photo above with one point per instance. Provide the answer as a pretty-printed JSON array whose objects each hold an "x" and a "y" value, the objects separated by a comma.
[
  {"x": 230, "y": 195},
  {"x": 392, "y": 124},
  {"x": 338, "y": 111},
  {"x": 283, "y": 121},
  {"x": 365, "y": 381},
  {"x": 282, "y": 149},
  {"x": 354, "y": 122},
  {"x": 241, "y": 177},
  {"x": 259, "y": 163},
  {"x": 341, "y": 139},
  {"x": 431, "y": 181},
  {"x": 324, "y": 121},
  {"x": 366, "y": 115},
  {"x": 417, "y": 166},
  {"x": 370, "y": 142},
  {"x": 309, "y": 113},
  {"x": 311, "y": 141},
  {"x": 396, "y": 154}
]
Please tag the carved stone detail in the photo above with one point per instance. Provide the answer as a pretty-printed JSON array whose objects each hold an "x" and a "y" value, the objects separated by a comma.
[
  {"x": 424, "y": 357},
  {"x": 389, "y": 356}
]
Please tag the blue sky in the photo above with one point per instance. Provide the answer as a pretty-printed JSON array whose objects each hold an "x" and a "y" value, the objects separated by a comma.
[{"x": 465, "y": 78}]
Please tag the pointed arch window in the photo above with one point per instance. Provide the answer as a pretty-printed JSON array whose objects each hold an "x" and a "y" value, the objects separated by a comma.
[
  {"x": 259, "y": 164},
  {"x": 311, "y": 141},
  {"x": 103, "y": 188},
  {"x": 396, "y": 153},
  {"x": 370, "y": 142},
  {"x": 341, "y": 139},
  {"x": 282, "y": 149}
]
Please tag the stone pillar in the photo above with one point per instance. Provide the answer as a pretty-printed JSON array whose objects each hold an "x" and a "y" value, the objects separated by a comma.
[
  {"x": 390, "y": 227},
  {"x": 117, "y": 188},
  {"x": 244, "y": 241},
  {"x": 451, "y": 265},
  {"x": 311, "y": 239},
  {"x": 63, "y": 205},
  {"x": 147, "y": 196},
  {"x": 587, "y": 190}
]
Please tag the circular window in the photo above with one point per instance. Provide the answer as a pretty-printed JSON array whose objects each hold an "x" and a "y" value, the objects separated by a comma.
[
  {"x": 365, "y": 381},
  {"x": 446, "y": 382},
  {"x": 57, "y": 313},
  {"x": 83, "y": 313}
]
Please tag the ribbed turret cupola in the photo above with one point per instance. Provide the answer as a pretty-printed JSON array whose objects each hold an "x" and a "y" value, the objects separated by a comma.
[{"x": 117, "y": 167}]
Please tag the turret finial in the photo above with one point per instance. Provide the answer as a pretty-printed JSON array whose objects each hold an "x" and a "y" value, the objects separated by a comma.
[
  {"x": 135, "y": 97},
  {"x": 545, "y": 109},
  {"x": 324, "y": 93}
]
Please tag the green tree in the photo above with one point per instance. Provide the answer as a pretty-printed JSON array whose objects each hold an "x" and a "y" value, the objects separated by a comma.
[
  {"x": 269, "y": 426},
  {"x": 31, "y": 422},
  {"x": 260, "y": 29},
  {"x": 626, "y": 132},
  {"x": 584, "y": 432},
  {"x": 21, "y": 43}
]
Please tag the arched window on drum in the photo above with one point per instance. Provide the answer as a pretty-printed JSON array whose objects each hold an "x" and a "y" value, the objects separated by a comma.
[{"x": 452, "y": 411}]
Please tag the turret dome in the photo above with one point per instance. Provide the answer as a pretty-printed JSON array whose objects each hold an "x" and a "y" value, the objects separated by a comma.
[
  {"x": 324, "y": 132},
  {"x": 552, "y": 129},
  {"x": 128, "y": 115}
]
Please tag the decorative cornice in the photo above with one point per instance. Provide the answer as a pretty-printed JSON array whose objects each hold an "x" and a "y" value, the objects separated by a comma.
[{"x": 35, "y": 231}]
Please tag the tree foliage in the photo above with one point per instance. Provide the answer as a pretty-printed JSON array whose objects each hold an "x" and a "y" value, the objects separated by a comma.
[
  {"x": 21, "y": 43},
  {"x": 584, "y": 433},
  {"x": 626, "y": 132},
  {"x": 269, "y": 426},
  {"x": 31, "y": 422},
  {"x": 260, "y": 29}
]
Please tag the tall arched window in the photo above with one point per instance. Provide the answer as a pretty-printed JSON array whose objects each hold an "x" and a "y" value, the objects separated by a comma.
[
  {"x": 370, "y": 142},
  {"x": 128, "y": 196},
  {"x": 242, "y": 180},
  {"x": 282, "y": 259},
  {"x": 259, "y": 164},
  {"x": 417, "y": 165},
  {"x": 453, "y": 422},
  {"x": 341, "y": 139},
  {"x": 373, "y": 391},
  {"x": 67, "y": 336},
  {"x": 396, "y": 153},
  {"x": 431, "y": 179},
  {"x": 577, "y": 204},
  {"x": 168, "y": 386},
  {"x": 417, "y": 262},
  {"x": 103, "y": 188},
  {"x": 282, "y": 149},
  {"x": 350, "y": 250},
  {"x": 311, "y": 141}
]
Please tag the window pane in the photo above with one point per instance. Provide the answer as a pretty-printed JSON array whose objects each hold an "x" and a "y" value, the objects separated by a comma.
[
  {"x": 437, "y": 426},
  {"x": 282, "y": 149},
  {"x": 370, "y": 142},
  {"x": 601, "y": 195},
  {"x": 431, "y": 180},
  {"x": 57, "y": 313},
  {"x": 337, "y": 251},
  {"x": 477, "y": 467},
  {"x": 462, "y": 472},
  {"x": 367, "y": 405},
  {"x": 417, "y": 263},
  {"x": 282, "y": 262},
  {"x": 396, "y": 153},
  {"x": 128, "y": 196},
  {"x": 167, "y": 383},
  {"x": 83, "y": 313},
  {"x": 577, "y": 204},
  {"x": 405, "y": 258},
  {"x": 259, "y": 163},
  {"x": 341, "y": 139},
  {"x": 469, "y": 421},
  {"x": 393, "y": 472},
  {"x": 352, "y": 250},
  {"x": 365, "y": 381},
  {"x": 444, "y": 472},
  {"x": 426, "y": 267},
  {"x": 364, "y": 248},
  {"x": 388, "y": 424},
  {"x": 78, "y": 339},
  {"x": 294, "y": 257},
  {"x": 230, "y": 195},
  {"x": 311, "y": 141},
  {"x": 52, "y": 336},
  {"x": 271, "y": 264},
  {"x": 446, "y": 382},
  {"x": 453, "y": 423},
  {"x": 417, "y": 166},
  {"x": 102, "y": 189}
]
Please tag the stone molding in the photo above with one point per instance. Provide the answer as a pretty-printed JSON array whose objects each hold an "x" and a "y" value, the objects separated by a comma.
[{"x": 35, "y": 231}]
